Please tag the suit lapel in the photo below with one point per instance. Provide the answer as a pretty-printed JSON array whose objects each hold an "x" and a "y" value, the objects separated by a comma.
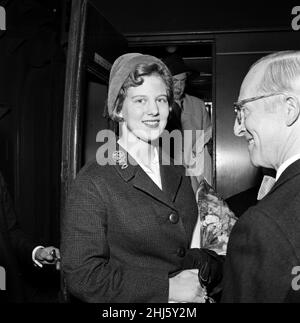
[{"x": 289, "y": 173}]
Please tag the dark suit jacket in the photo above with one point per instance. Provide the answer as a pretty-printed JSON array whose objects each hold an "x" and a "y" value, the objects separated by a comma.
[
  {"x": 14, "y": 246},
  {"x": 264, "y": 246},
  {"x": 122, "y": 237},
  {"x": 240, "y": 203}
]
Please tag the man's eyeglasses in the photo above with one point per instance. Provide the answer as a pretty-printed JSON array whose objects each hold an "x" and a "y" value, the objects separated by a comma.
[{"x": 238, "y": 106}]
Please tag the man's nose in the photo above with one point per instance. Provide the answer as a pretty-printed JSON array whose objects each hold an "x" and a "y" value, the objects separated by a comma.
[{"x": 239, "y": 128}]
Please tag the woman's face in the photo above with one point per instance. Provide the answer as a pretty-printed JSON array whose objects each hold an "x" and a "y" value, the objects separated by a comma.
[{"x": 145, "y": 109}]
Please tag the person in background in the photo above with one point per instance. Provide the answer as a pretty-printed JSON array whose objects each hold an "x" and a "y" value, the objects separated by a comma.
[
  {"x": 190, "y": 113},
  {"x": 128, "y": 224},
  {"x": 17, "y": 250},
  {"x": 263, "y": 254}
]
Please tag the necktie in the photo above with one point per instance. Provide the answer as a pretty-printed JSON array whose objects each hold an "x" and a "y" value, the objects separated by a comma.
[{"x": 266, "y": 186}]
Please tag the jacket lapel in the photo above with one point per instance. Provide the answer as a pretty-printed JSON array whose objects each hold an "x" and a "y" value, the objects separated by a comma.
[
  {"x": 289, "y": 173},
  {"x": 144, "y": 183},
  {"x": 170, "y": 178}
]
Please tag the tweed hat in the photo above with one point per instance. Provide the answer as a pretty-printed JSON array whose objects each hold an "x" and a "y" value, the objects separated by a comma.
[{"x": 119, "y": 72}]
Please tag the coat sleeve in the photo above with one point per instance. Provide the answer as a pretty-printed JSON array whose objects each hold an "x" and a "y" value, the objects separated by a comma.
[
  {"x": 259, "y": 261},
  {"x": 91, "y": 274},
  {"x": 198, "y": 117},
  {"x": 20, "y": 242}
]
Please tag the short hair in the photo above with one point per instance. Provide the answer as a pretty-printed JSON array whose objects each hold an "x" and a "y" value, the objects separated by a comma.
[
  {"x": 281, "y": 71},
  {"x": 135, "y": 79}
]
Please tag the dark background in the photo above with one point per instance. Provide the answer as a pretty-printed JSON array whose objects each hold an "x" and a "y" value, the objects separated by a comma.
[{"x": 192, "y": 15}]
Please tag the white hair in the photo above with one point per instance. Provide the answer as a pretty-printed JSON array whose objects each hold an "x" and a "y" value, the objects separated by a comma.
[{"x": 281, "y": 72}]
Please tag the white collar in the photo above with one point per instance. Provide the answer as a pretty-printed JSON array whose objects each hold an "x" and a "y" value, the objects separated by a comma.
[
  {"x": 286, "y": 164},
  {"x": 134, "y": 153}
]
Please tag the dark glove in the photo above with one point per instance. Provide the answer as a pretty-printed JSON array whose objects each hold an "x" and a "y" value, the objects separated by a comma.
[{"x": 210, "y": 266}]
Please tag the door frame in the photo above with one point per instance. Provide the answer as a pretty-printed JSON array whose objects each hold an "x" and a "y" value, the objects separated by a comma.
[
  {"x": 71, "y": 143},
  {"x": 74, "y": 84},
  {"x": 82, "y": 57}
]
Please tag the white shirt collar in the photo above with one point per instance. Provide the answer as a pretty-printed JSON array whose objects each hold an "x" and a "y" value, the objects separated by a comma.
[
  {"x": 154, "y": 170},
  {"x": 286, "y": 164},
  {"x": 133, "y": 153}
]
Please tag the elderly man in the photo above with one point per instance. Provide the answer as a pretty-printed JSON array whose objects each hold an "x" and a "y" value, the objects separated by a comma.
[{"x": 263, "y": 256}]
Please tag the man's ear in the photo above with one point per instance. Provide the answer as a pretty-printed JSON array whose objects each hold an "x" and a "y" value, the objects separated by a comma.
[{"x": 293, "y": 110}]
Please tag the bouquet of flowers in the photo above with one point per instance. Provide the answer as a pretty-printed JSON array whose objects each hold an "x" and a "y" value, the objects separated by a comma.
[{"x": 216, "y": 219}]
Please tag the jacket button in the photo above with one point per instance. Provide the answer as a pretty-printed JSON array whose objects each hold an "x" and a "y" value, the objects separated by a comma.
[
  {"x": 174, "y": 218},
  {"x": 181, "y": 252}
]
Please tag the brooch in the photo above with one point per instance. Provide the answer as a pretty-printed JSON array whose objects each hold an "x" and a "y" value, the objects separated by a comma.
[{"x": 119, "y": 157}]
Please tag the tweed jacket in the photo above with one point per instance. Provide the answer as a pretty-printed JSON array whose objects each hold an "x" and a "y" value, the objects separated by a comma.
[
  {"x": 123, "y": 237},
  {"x": 264, "y": 247}
]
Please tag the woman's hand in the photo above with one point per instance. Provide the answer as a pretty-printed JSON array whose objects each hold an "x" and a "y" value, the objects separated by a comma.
[{"x": 185, "y": 288}]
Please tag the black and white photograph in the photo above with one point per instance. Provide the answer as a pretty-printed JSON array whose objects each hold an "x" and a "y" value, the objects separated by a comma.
[{"x": 150, "y": 153}]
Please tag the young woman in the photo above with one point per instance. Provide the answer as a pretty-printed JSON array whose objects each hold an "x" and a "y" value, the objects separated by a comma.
[{"x": 128, "y": 224}]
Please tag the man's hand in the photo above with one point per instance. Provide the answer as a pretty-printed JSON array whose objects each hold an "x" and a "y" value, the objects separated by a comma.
[{"x": 48, "y": 256}]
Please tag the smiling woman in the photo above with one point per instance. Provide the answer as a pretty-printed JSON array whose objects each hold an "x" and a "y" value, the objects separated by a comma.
[
  {"x": 128, "y": 223},
  {"x": 143, "y": 101},
  {"x": 146, "y": 109}
]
